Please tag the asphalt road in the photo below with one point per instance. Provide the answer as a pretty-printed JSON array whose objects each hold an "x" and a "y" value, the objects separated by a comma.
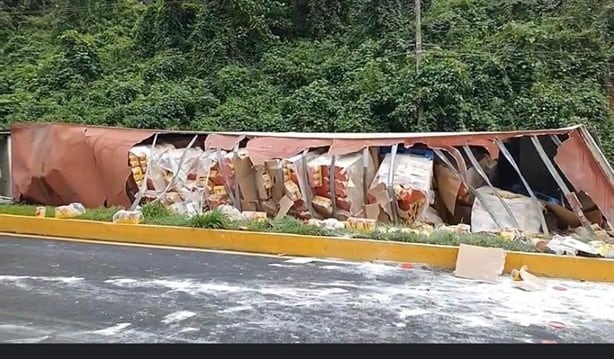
[{"x": 58, "y": 291}]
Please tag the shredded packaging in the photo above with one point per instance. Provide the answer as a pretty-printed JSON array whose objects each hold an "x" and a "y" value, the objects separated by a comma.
[
  {"x": 348, "y": 188},
  {"x": 411, "y": 188}
]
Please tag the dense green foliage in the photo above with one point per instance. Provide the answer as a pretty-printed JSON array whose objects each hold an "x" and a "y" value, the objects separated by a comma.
[{"x": 309, "y": 65}]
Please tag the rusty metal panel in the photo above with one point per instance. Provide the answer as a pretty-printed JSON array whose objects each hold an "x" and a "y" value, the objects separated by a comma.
[
  {"x": 56, "y": 164},
  {"x": 584, "y": 170}
]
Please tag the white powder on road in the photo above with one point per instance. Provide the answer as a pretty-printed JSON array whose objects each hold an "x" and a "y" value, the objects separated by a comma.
[
  {"x": 466, "y": 300},
  {"x": 405, "y": 313},
  {"x": 114, "y": 330},
  {"x": 28, "y": 340},
  {"x": 29, "y": 282},
  {"x": 121, "y": 282},
  {"x": 440, "y": 301},
  {"x": 300, "y": 260},
  {"x": 240, "y": 308},
  {"x": 177, "y": 316},
  {"x": 17, "y": 278}
]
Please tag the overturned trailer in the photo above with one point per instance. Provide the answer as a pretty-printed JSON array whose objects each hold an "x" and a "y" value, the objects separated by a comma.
[{"x": 527, "y": 181}]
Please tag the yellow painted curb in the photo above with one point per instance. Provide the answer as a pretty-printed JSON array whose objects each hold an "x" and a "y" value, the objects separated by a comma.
[{"x": 591, "y": 269}]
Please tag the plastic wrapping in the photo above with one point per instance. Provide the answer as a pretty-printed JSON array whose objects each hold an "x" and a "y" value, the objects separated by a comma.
[
  {"x": 69, "y": 211},
  {"x": 345, "y": 197},
  {"x": 128, "y": 217},
  {"x": 411, "y": 187},
  {"x": 523, "y": 208},
  {"x": 185, "y": 180},
  {"x": 295, "y": 184}
]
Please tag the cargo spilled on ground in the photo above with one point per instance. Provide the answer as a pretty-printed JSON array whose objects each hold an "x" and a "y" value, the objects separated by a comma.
[{"x": 516, "y": 190}]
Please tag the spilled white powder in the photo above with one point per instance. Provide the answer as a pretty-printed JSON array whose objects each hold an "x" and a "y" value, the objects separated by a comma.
[{"x": 177, "y": 316}]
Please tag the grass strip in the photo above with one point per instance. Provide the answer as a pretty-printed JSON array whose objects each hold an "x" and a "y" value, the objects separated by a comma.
[{"x": 156, "y": 214}]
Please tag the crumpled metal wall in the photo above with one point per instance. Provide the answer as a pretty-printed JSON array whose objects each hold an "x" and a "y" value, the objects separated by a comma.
[{"x": 56, "y": 164}]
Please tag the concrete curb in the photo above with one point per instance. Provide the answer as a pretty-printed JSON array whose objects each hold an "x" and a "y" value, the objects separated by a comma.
[{"x": 590, "y": 269}]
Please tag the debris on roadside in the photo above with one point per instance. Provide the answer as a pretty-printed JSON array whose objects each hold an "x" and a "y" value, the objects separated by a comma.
[
  {"x": 479, "y": 263},
  {"x": 406, "y": 265},
  {"x": 570, "y": 246},
  {"x": 128, "y": 217},
  {"x": 254, "y": 216},
  {"x": 521, "y": 187},
  {"x": 401, "y": 190},
  {"x": 526, "y": 281},
  {"x": 41, "y": 212},
  {"x": 231, "y": 213},
  {"x": 557, "y": 325},
  {"x": 330, "y": 224},
  {"x": 69, "y": 211},
  {"x": 510, "y": 210}
]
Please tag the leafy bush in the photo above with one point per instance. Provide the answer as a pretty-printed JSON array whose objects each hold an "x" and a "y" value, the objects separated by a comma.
[{"x": 325, "y": 65}]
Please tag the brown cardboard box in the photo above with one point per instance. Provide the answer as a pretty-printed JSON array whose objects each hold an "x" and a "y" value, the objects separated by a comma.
[
  {"x": 448, "y": 187},
  {"x": 479, "y": 262}
]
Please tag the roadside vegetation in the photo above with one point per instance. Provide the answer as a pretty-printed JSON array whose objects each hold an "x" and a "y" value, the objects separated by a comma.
[
  {"x": 158, "y": 215},
  {"x": 317, "y": 65}
]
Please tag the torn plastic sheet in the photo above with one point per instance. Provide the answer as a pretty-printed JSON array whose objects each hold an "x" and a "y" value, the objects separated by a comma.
[
  {"x": 523, "y": 208},
  {"x": 187, "y": 179},
  {"x": 510, "y": 159},
  {"x": 336, "y": 183},
  {"x": 402, "y": 186},
  {"x": 477, "y": 167}
]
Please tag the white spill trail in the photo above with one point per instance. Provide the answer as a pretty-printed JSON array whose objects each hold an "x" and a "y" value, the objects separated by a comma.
[
  {"x": 17, "y": 278},
  {"x": 114, "y": 330},
  {"x": 177, "y": 316}
]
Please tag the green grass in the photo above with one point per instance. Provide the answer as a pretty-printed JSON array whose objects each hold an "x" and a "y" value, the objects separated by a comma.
[
  {"x": 286, "y": 224},
  {"x": 441, "y": 237},
  {"x": 155, "y": 210},
  {"x": 24, "y": 210},
  {"x": 156, "y": 214},
  {"x": 97, "y": 214},
  {"x": 210, "y": 220},
  {"x": 173, "y": 221}
]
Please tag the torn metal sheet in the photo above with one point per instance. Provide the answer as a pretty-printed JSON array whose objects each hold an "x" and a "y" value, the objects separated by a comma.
[
  {"x": 56, "y": 164},
  {"x": 179, "y": 167},
  {"x": 143, "y": 186},
  {"x": 332, "y": 182},
  {"x": 584, "y": 166},
  {"x": 223, "y": 142},
  {"x": 473, "y": 191},
  {"x": 571, "y": 197},
  {"x": 480, "y": 171},
  {"x": 343, "y": 143},
  {"x": 261, "y": 149},
  {"x": 390, "y": 181}
]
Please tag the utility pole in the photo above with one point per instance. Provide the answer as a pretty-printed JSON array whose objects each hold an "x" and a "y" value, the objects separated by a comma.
[
  {"x": 418, "y": 33},
  {"x": 418, "y": 54}
]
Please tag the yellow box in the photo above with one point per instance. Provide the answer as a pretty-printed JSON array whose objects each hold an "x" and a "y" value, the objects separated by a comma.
[{"x": 361, "y": 224}]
